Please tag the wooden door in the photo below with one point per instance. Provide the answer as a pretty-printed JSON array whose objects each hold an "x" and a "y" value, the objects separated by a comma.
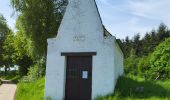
[{"x": 78, "y": 78}]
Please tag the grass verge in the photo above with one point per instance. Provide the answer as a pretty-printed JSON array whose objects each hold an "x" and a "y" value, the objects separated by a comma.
[
  {"x": 135, "y": 88},
  {"x": 30, "y": 91},
  {"x": 127, "y": 88}
]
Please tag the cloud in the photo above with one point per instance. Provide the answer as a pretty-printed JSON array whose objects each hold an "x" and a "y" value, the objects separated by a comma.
[
  {"x": 126, "y": 17},
  {"x": 153, "y": 9}
]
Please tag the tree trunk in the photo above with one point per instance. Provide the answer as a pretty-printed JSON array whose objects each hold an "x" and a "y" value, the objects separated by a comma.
[{"x": 6, "y": 70}]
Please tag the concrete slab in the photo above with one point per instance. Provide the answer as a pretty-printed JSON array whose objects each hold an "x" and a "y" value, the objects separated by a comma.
[{"x": 7, "y": 91}]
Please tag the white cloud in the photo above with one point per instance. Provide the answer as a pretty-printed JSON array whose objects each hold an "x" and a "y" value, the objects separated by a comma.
[
  {"x": 133, "y": 16},
  {"x": 154, "y": 9}
]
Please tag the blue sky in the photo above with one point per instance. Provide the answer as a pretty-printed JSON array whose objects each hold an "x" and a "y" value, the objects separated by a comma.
[
  {"x": 121, "y": 17},
  {"x": 7, "y": 11}
]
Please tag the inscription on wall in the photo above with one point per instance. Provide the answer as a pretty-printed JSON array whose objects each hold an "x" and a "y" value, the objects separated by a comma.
[{"x": 79, "y": 38}]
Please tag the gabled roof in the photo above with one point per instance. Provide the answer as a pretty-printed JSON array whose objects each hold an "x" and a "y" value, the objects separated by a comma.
[{"x": 105, "y": 32}]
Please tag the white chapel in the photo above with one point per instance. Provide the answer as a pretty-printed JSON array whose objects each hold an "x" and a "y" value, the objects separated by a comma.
[{"x": 84, "y": 60}]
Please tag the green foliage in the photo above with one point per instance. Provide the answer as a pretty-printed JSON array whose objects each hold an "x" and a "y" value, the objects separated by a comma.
[
  {"x": 143, "y": 65},
  {"x": 144, "y": 58},
  {"x": 6, "y": 48},
  {"x": 135, "y": 88},
  {"x": 160, "y": 61},
  {"x": 21, "y": 56},
  {"x": 137, "y": 65},
  {"x": 24, "y": 65},
  {"x": 35, "y": 72},
  {"x": 3, "y": 32},
  {"x": 146, "y": 45},
  {"x": 30, "y": 91},
  {"x": 131, "y": 66},
  {"x": 154, "y": 66},
  {"x": 12, "y": 77},
  {"x": 38, "y": 20},
  {"x": 12, "y": 51},
  {"x": 48, "y": 98},
  {"x": 3, "y": 28},
  {"x": 0, "y": 81},
  {"x": 21, "y": 46}
]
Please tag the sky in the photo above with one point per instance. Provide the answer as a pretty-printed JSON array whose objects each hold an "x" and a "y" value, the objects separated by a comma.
[
  {"x": 120, "y": 17},
  {"x": 7, "y": 11}
]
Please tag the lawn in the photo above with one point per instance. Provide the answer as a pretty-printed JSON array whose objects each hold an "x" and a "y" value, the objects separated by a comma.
[
  {"x": 30, "y": 91},
  {"x": 135, "y": 88},
  {"x": 127, "y": 88}
]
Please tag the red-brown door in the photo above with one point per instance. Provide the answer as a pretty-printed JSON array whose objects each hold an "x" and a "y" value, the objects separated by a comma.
[{"x": 78, "y": 78}]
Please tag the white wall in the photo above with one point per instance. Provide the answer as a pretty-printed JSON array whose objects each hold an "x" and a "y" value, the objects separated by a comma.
[
  {"x": 118, "y": 59},
  {"x": 103, "y": 81},
  {"x": 81, "y": 30}
]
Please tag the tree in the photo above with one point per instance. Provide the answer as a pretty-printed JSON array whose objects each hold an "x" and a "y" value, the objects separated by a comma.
[
  {"x": 8, "y": 53},
  {"x": 137, "y": 44},
  {"x": 3, "y": 31},
  {"x": 160, "y": 62},
  {"x": 127, "y": 46},
  {"x": 21, "y": 58},
  {"x": 143, "y": 56},
  {"x": 38, "y": 20},
  {"x": 162, "y": 32},
  {"x": 146, "y": 41},
  {"x": 5, "y": 53}
]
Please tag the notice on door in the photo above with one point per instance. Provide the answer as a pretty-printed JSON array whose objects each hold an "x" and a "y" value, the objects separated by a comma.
[{"x": 85, "y": 74}]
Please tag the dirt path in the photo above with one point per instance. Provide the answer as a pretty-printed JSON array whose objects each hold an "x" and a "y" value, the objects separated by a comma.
[{"x": 7, "y": 91}]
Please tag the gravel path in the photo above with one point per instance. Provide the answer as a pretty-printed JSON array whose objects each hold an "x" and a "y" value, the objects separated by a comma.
[{"x": 7, "y": 91}]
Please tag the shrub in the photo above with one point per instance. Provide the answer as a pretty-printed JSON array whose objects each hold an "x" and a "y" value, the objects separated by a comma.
[
  {"x": 24, "y": 64},
  {"x": 154, "y": 66},
  {"x": 160, "y": 61},
  {"x": 35, "y": 72},
  {"x": 131, "y": 66},
  {"x": 143, "y": 65}
]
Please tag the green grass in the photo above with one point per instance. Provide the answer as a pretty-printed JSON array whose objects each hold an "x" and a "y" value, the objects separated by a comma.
[
  {"x": 30, "y": 91},
  {"x": 127, "y": 89},
  {"x": 13, "y": 78}
]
